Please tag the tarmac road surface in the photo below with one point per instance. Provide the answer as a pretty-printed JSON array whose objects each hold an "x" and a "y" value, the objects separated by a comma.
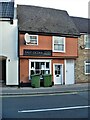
[{"x": 71, "y": 105}]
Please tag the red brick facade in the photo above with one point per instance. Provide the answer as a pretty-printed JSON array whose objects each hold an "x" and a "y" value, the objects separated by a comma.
[{"x": 45, "y": 43}]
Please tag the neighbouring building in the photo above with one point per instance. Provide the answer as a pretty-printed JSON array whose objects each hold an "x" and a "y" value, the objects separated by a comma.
[
  {"x": 8, "y": 44},
  {"x": 48, "y": 44},
  {"x": 82, "y": 63}
]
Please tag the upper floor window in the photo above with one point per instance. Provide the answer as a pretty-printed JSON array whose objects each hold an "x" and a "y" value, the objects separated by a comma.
[
  {"x": 87, "y": 41},
  {"x": 58, "y": 44},
  {"x": 31, "y": 39},
  {"x": 87, "y": 67}
]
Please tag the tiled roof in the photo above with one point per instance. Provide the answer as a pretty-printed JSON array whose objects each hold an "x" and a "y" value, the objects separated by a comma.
[
  {"x": 45, "y": 20},
  {"x": 83, "y": 24}
]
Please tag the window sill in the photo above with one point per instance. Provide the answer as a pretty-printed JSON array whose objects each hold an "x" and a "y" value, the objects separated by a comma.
[
  {"x": 87, "y": 48},
  {"x": 32, "y": 44},
  {"x": 59, "y": 51},
  {"x": 87, "y": 73}
]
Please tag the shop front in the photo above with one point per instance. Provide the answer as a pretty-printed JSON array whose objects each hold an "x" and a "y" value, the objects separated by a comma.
[{"x": 29, "y": 67}]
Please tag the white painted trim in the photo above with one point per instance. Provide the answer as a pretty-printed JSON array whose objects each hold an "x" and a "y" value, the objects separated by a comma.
[
  {"x": 39, "y": 60},
  {"x": 54, "y": 70},
  {"x": 85, "y": 68},
  {"x": 29, "y": 69},
  {"x": 37, "y": 40},
  {"x": 53, "y": 45},
  {"x": 87, "y": 48},
  {"x": 6, "y": 19},
  {"x": 7, "y": 71},
  {"x": 85, "y": 35},
  {"x": 65, "y": 69}
]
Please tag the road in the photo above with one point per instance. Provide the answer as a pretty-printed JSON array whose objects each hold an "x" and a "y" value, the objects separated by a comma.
[{"x": 72, "y": 105}]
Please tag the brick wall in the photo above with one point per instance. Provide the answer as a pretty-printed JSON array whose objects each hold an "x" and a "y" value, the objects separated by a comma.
[
  {"x": 24, "y": 70},
  {"x": 45, "y": 43}
]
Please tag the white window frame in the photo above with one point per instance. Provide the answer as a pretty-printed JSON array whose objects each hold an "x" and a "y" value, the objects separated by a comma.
[
  {"x": 85, "y": 41},
  {"x": 33, "y": 44},
  {"x": 39, "y": 60},
  {"x": 53, "y": 44},
  {"x": 85, "y": 67}
]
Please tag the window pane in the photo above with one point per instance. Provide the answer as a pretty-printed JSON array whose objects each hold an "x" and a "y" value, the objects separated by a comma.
[
  {"x": 33, "y": 42},
  {"x": 58, "y": 40},
  {"x": 37, "y": 71},
  {"x": 87, "y": 68},
  {"x": 59, "y": 72},
  {"x": 55, "y": 47},
  {"x": 42, "y": 72},
  {"x": 88, "y": 61},
  {"x": 87, "y": 38},
  {"x": 61, "y": 47},
  {"x": 55, "y": 41},
  {"x": 47, "y": 64},
  {"x": 88, "y": 44},
  {"x": 37, "y": 65},
  {"x": 47, "y": 72},
  {"x": 32, "y": 72},
  {"x": 33, "y": 39},
  {"x": 61, "y": 42},
  {"x": 56, "y": 72},
  {"x": 87, "y": 41},
  {"x": 58, "y": 67},
  {"x": 42, "y": 65},
  {"x": 32, "y": 64}
]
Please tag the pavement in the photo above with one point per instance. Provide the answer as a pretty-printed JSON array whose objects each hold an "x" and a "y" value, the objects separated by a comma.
[{"x": 44, "y": 90}]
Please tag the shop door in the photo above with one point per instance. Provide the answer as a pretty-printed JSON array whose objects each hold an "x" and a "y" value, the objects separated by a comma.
[{"x": 58, "y": 73}]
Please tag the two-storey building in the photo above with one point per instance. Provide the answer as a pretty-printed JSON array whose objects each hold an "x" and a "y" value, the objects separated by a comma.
[
  {"x": 8, "y": 44},
  {"x": 48, "y": 44},
  {"x": 82, "y": 65}
]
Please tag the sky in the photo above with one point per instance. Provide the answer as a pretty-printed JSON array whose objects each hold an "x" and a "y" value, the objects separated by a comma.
[{"x": 77, "y": 8}]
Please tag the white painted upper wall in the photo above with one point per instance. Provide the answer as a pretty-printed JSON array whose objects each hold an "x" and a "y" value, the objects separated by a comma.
[
  {"x": 9, "y": 49},
  {"x": 9, "y": 39}
]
